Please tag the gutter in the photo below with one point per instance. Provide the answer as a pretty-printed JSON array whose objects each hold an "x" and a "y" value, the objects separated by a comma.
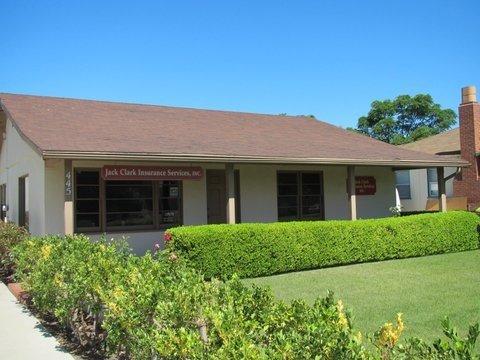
[{"x": 247, "y": 159}]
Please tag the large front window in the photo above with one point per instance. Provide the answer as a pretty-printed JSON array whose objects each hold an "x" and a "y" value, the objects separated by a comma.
[
  {"x": 129, "y": 204},
  {"x": 125, "y": 204},
  {"x": 300, "y": 195}
]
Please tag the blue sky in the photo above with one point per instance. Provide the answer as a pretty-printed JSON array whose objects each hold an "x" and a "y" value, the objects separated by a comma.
[{"x": 327, "y": 58}]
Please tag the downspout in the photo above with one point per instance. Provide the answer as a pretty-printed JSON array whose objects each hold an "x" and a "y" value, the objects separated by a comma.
[{"x": 458, "y": 171}]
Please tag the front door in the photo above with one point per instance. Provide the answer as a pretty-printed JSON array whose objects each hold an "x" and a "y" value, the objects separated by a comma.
[{"x": 216, "y": 197}]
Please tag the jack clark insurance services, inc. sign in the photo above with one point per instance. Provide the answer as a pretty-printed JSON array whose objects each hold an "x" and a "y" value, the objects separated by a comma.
[{"x": 132, "y": 172}]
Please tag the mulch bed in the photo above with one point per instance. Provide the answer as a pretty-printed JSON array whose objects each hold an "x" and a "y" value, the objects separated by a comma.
[{"x": 64, "y": 336}]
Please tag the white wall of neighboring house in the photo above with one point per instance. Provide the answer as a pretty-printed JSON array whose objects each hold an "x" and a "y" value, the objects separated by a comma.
[
  {"x": 419, "y": 189},
  {"x": 18, "y": 159}
]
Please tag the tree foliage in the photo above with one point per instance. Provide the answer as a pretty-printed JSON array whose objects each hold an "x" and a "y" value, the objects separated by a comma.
[{"x": 405, "y": 119}]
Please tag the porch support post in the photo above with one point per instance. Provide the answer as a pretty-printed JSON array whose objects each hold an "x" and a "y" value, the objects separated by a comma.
[
  {"x": 68, "y": 202},
  {"x": 442, "y": 196},
  {"x": 230, "y": 177},
  {"x": 352, "y": 197}
]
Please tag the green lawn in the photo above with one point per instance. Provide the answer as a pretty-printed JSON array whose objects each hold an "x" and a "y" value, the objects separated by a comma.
[{"x": 423, "y": 289}]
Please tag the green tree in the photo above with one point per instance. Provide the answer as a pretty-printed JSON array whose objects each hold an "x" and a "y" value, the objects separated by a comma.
[{"x": 405, "y": 119}]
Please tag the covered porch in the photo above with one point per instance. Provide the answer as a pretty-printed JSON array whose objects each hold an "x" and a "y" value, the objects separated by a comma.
[{"x": 139, "y": 200}]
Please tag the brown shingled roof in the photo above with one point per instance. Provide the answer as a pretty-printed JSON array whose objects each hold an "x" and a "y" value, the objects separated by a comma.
[
  {"x": 71, "y": 128},
  {"x": 446, "y": 143}
]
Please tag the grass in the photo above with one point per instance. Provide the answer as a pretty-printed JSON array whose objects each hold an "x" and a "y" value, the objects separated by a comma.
[{"x": 424, "y": 289}]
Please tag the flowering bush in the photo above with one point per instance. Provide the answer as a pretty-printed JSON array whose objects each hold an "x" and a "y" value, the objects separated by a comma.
[
  {"x": 10, "y": 235},
  {"x": 67, "y": 278},
  {"x": 158, "y": 307}
]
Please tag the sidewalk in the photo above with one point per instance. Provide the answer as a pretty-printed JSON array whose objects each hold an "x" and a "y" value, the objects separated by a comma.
[{"x": 22, "y": 337}]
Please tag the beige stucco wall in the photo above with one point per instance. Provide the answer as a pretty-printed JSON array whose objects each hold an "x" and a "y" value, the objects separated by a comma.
[
  {"x": 18, "y": 159},
  {"x": 258, "y": 191},
  {"x": 54, "y": 196},
  {"x": 419, "y": 189}
]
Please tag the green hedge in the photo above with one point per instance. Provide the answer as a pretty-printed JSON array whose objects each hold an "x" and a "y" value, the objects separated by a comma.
[
  {"x": 120, "y": 306},
  {"x": 251, "y": 250}
]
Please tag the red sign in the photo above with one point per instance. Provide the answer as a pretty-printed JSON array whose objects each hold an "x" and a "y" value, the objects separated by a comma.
[
  {"x": 365, "y": 185},
  {"x": 132, "y": 172}
]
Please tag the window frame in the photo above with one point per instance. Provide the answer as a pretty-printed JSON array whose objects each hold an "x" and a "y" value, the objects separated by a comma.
[
  {"x": 103, "y": 228},
  {"x": 409, "y": 197},
  {"x": 429, "y": 194},
  {"x": 300, "y": 216},
  {"x": 87, "y": 230},
  {"x": 3, "y": 201},
  {"x": 23, "y": 214},
  {"x": 157, "y": 223},
  {"x": 477, "y": 162}
]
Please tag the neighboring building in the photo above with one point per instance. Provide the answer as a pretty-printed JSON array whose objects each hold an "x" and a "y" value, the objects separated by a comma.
[
  {"x": 78, "y": 166},
  {"x": 417, "y": 189}
]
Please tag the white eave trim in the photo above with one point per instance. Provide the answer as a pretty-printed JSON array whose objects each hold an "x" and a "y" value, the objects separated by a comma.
[{"x": 248, "y": 159}]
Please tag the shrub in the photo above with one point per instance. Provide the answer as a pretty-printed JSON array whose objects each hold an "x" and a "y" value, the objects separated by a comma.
[
  {"x": 453, "y": 347},
  {"x": 66, "y": 277},
  {"x": 158, "y": 307},
  {"x": 10, "y": 235},
  {"x": 265, "y": 249},
  {"x": 147, "y": 307}
]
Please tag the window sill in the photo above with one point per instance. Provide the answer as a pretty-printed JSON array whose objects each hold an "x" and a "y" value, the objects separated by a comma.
[{"x": 125, "y": 231}]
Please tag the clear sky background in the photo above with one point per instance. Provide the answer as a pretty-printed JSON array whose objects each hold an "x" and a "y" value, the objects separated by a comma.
[{"x": 327, "y": 58}]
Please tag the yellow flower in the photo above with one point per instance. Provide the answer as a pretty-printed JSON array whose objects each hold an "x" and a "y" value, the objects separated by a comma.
[
  {"x": 400, "y": 324},
  {"x": 133, "y": 276},
  {"x": 358, "y": 338},
  {"x": 58, "y": 279},
  {"x": 46, "y": 250},
  {"x": 342, "y": 318},
  {"x": 113, "y": 307},
  {"x": 389, "y": 334},
  {"x": 118, "y": 292}
]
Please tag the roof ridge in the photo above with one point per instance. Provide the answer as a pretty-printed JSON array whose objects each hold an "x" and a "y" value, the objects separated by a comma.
[
  {"x": 430, "y": 137},
  {"x": 163, "y": 106}
]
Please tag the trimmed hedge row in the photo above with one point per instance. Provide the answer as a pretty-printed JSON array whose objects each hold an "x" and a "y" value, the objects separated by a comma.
[
  {"x": 120, "y": 306},
  {"x": 251, "y": 250}
]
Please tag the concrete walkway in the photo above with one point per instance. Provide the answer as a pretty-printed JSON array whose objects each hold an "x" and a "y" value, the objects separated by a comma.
[{"x": 22, "y": 337}]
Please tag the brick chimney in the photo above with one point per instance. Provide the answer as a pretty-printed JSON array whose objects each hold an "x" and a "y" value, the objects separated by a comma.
[{"x": 469, "y": 113}]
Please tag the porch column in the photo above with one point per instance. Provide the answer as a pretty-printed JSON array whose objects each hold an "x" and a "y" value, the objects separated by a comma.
[
  {"x": 68, "y": 202},
  {"x": 230, "y": 177},
  {"x": 442, "y": 196},
  {"x": 352, "y": 197}
]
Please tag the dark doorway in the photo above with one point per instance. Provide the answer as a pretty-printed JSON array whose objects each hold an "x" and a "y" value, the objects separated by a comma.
[
  {"x": 23, "y": 211},
  {"x": 216, "y": 197}
]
